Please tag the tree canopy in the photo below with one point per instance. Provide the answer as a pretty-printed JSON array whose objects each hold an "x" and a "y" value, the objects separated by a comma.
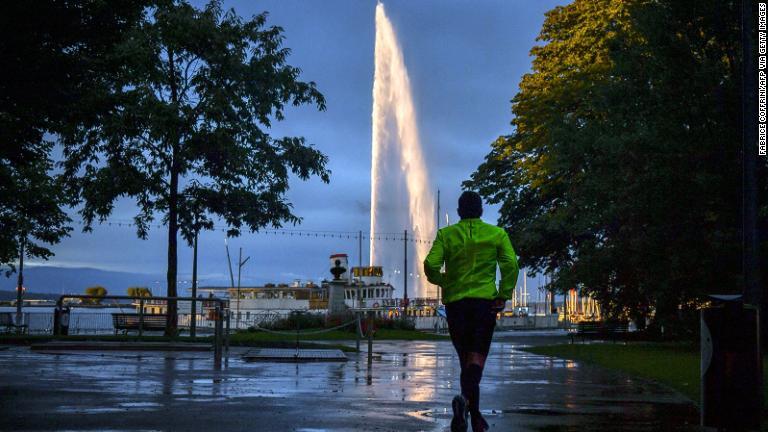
[
  {"x": 622, "y": 175},
  {"x": 53, "y": 60},
  {"x": 186, "y": 132}
]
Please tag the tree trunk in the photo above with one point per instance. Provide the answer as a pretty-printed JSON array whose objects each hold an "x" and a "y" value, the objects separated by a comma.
[
  {"x": 20, "y": 281},
  {"x": 193, "y": 317},
  {"x": 172, "y": 319},
  {"x": 171, "y": 327}
]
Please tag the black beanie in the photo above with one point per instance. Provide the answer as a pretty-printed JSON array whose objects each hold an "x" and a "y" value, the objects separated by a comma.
[{"x": 470, "y": 205}]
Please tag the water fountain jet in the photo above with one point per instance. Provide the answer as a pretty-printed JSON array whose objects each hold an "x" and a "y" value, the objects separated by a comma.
[{"x": 395, "y": 136}]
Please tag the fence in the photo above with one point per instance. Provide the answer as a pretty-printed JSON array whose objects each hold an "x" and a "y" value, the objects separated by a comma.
[
  {"x": 144, "y": 316},
  {"x": 82, "y": 315}
]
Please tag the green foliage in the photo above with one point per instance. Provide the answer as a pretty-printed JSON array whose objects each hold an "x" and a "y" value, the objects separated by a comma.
[
  {"x": 622, "y": 175},
  {"x": 394, "y": 324},
  {"x": 186, "y": 134},
  {"x": 384, "y": 329},
  {"x": 30, "y": 206},
  {"x": 301, "y": 321},
  {"x": 53, "y": 61},
  {"x": 337, "y": 319},
  {"x": 199, "y": 90}
]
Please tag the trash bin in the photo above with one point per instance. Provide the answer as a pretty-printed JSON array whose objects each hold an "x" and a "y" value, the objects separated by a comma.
[
  {"x": 61, "y": 321},
  {"x": 730, "y": 365}
]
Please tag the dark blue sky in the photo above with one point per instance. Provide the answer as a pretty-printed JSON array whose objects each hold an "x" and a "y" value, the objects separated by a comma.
[{"x": 465, "y": 60}]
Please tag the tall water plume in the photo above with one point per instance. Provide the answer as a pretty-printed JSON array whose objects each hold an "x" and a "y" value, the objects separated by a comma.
[{"x": 400, "y": 198}]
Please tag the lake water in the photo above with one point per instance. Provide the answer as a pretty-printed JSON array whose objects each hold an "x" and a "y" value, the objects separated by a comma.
[{"x": 86, "y": 320}]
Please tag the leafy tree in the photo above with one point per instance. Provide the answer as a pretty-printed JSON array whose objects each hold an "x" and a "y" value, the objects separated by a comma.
[
  {"x": 97, "y": 291},
  {"x": 188, "y": 137},
  {"x": 30, "y": 212},
  {"x": 52, "y": 55},
  {"x": 622, "y": 175},
  {"x": 139, "y": 291}
]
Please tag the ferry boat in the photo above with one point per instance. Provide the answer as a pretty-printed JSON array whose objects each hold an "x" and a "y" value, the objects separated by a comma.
[{"x": 355, "y": 289}]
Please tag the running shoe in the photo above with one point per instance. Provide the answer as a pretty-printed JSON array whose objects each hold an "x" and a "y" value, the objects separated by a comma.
[
  {"x": 460, "y": 413},
  {"x": 484, "y": 426}
]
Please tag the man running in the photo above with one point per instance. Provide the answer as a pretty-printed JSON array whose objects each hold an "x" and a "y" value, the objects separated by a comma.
[{"x": 470, "y": 251}]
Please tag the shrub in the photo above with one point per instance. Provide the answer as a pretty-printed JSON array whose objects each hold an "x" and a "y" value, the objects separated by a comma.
[
  {"x": 298, "y": 320},
  {"x": 305, "y": 321},
  {"x": 333, "y": 320},
  {"x": 400, "y": 323},
  {"x": 136, "y": 291}
]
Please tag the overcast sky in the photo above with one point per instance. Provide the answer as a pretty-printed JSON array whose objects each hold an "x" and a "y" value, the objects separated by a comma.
[{"x": 465, "y": 60}]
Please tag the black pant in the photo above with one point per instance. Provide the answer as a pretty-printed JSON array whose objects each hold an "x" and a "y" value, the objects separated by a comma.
[{"x": 470, "y": 323}]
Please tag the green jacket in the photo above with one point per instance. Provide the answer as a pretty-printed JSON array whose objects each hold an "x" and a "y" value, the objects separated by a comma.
[{"x": 470, "y": 250}]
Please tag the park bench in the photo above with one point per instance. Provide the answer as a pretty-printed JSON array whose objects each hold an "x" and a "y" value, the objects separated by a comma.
[
  {"x": 7, "y": 322},
  {"x": 599, "y": 330},
  {"x": 130, "y": 321}
]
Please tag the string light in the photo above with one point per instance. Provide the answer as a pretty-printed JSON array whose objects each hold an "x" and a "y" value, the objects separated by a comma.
[{"x": 354, "y": 235}]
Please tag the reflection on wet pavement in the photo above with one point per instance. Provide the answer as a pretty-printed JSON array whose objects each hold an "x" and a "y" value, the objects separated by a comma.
[{"x": 409, "y": 388}]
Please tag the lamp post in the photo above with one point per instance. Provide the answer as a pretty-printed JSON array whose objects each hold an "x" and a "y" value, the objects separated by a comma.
[
  {"x": 405, "y": 268},
  {"x": 240, "y": 264},
  {"x": 193, "y": 323}
]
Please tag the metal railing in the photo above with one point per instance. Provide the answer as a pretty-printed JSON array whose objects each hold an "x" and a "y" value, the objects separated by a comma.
[
  {"x": 141, "y": 321},
  {"x": 257, "y": 319}
]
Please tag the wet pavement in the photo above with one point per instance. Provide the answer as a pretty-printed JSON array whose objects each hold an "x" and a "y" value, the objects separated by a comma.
[{"x": 408, "y": 388}]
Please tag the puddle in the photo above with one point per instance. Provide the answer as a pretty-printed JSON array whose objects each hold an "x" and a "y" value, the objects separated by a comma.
[
  {"x": 411, "y": 386},
  {"x": 184, "y": 399},
  {"x": 436, "y": 414},
  {"x": 81, "y": 410},
  {"x": 140, "y": 404},
  {"x": 542, "y": 382}
]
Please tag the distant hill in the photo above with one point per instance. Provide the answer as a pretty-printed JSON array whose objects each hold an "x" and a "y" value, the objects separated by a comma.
[
  {"x": 11, "y": 295},
  {"x": 61, "y": 280}
]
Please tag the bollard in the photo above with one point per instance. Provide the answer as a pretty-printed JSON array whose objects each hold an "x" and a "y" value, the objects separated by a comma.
[
  {"x": 61, "y": 320},
  {"x": 298, "y": 327},
  {"x": 730, "y": 365},
  {"x": 226, "y": 334},
  {"x": 141, "y": 317},
  {"x": 193, "y": 322},
  {"x": 57, "y": 320},
  {"x": 370, "y": 338},
  {"x": 357, "y": 331},
  {"x": 217, "y": 336}
]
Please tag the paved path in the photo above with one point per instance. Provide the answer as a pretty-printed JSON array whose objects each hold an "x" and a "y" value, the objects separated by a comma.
[{"x": 409, "y": 389}]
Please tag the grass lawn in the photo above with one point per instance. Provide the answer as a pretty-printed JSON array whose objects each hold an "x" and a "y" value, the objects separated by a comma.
[
  {"x": 381, "y": 334},
  {"x": 240, "y": 338},
  {"x": 12, "y": 339},
  {"x": 387, "y": 334},
  {"x": 676, "y": 365},
  {"x": 271, "y": 340}
]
